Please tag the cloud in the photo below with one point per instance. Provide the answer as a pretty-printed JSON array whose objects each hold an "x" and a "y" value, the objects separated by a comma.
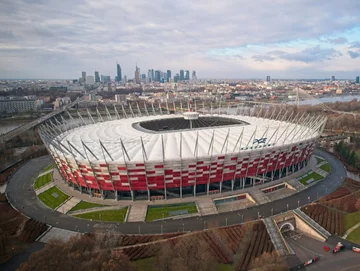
[
  {"x": 164, "y": 34},
  {"x": 354, "y": 54},
  {"x": 339, "y": 40},
  {"x": 355, "y": 45}
]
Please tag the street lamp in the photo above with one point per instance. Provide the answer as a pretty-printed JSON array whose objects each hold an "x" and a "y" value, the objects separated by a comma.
[
  {"x": 272, "y": 211},
  {"x": 287, "y": 206},
  {"x": 298, "y": 203},
  {"x": 45, "y": 218}
]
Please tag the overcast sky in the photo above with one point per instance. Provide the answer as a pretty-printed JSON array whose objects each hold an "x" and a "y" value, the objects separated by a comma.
[{"x": 218, "y": 39}]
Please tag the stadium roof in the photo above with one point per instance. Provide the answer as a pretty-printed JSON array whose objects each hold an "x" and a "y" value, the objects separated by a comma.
[{"x": 104, "y": 138}]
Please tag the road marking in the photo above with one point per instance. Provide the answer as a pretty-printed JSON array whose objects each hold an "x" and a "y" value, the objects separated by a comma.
[
  {"x": 349, "y": 267},
  {"x": 309, "y": 250}
]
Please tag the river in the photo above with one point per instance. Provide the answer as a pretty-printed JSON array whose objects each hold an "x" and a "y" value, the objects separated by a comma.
[
  {"x": 7, "y": 126},
  {"x": 332, "y": 99}
]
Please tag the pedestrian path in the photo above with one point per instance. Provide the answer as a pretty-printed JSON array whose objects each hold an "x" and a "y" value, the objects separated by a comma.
[
  {"x": 321, "y": 172},
  {"x": 44, "y": 188},
  {"x": 350, "y": 230},
  {"x": 206, "y": 206},
  {"x": 58, "y": 234},
  {"x": 137, "y": 213},
  {"x": 353, "y": 176},
  {"x": 68, "y": 205},
  {"x": 298, "y": 186},
  {"x": 259, "y": 197},
  {"x": 275, "y": 237},
  {"x": 46, "y": 172}
]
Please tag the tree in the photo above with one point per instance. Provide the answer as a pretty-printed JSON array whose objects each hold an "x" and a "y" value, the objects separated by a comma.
[{"x": 269, "y": 262}]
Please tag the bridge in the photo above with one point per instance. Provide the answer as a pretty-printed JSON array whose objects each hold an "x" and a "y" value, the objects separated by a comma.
[{"x": 13, "y": 133}]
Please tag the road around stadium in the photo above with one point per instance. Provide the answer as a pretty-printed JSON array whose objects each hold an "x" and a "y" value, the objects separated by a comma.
[{"x": 22, "y": 196}]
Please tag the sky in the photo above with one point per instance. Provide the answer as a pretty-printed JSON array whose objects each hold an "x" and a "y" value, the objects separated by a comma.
[{"x": 237, "y": 39}]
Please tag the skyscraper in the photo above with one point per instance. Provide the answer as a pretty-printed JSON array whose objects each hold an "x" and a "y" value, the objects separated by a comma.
[
  {"x": 118, "y": 72},
  {"x": 83, "y": 77},
  {"x": 90, "y": 80},
  {"x": 97, "y": 77},
  {"x": 137, "y": 75},
  {"x": 187, "y": 75},
  {"x": 157, "y": 75},
  {"x": 168, "y": 75},
  {"x": 193, "y": 76},
  {"x": 357, "y": 81},
  {"x": 176, "y": 78},
  {"x": 150, "y": 76},
  {"x": 182, "y": 75},
  {"x": 333, "y": 78},
  {"x": 268, "y": 79}
]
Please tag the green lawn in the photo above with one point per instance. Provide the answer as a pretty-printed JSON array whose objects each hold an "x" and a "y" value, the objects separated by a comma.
[
  {"x": 313, "y": 175},
  {"x": 319, "y": 160},
  {"x": 354, "y": 236},
  {"x": 350, "y": 219},
  {"x": 326, "y": 167},
  {"x": 158, "y": 212},
  {"x": 42, "y": 180},
  {"x": 48, "y": 167},
  {"x": 53, "y": 197},
  {"x": 86, "y": 205},
  {"x": 106, "y": 215}
]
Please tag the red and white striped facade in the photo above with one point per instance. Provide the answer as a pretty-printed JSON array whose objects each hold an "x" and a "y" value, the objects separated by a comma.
[{"x": 187, "y": 159}]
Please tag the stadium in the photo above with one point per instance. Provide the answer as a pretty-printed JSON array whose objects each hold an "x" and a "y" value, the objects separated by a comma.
[{"x": 148, "y": 153}]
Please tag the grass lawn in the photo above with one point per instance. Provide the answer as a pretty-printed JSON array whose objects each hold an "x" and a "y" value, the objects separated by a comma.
[
  {"x": 313, "y": 175},
  {"x": 319, "y": 160},
  {"x": 48, "y": 167},
  {"x": 117, "y": 215},
  {"x": 354, "y": 236},
  {"x": 326, "y": 167},
  {"x": 86, "y": 205},
  {"x": 42, "y": 180},
  {"x": 158, "y": 212},
  {"x": 350, "y": 219},
  {"x": 48, "y": 198}
]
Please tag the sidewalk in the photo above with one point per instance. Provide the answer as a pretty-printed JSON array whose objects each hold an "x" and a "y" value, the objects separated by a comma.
[
  {"x": 351, "y": 230},
  {"x": 59, "y": 182}
]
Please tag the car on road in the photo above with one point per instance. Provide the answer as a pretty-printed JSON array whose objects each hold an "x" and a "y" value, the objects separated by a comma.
[{"x": 339, "y": 246}]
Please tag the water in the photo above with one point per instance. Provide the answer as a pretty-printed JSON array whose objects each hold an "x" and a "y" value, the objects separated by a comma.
[
  {"x": 333, "y": 99},
  {"x": 7, "y": 126}
]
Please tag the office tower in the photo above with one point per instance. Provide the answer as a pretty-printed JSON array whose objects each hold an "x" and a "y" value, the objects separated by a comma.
[
  {"x": 176, "y": 78},
  {"x": 105, "y": 79},
  {"x": 150, "y": 76},
  {"x": 333, "y": 78},
  {"x": 193, "y": 76},
  {"x": 143, "y": 77},
  {"x": 97, "y": 77},
  {"x": 164, "y": 76},
  {"x": 182, "y": 77},
  {"x": 125, "y": 79},
  {"x": 137, "y": 75},
  {"x": 157, "y": 76},
  {"x": 357, "y": 81},
  {"x": 83, "y": 76},
  {"x": 90, "y": 80},
  {"x": 168, "y": 75},
  {"x": 187, "y": 75},
  {"x": 118, "y": 72},
  {"x": 268, "y": 79}
]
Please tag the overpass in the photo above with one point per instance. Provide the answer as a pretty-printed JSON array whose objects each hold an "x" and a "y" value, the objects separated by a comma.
[{"x": 13, "y": 133}]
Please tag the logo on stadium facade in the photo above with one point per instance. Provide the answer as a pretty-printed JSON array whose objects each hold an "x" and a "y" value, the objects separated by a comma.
[{"x": 259, "y": 140}]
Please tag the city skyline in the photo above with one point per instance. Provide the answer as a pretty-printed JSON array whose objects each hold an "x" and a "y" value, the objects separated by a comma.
[{"x": 270, "y": 38}]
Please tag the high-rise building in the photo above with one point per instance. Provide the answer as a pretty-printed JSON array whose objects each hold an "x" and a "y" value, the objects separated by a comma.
[
  {"x": 176, "y": 78},
  {"x": 268, "y": 78},
  {"x": 168, "y": 75},
  {"x": 83, "y": 76},
  {"x": 97, "y": 77},
  {"x": 157, "y": 75},
  {"x": 143, "y": 77},
  {"x": 193, "y": 76},
  {"x": 182, "y": 77},
  {"x": 125, "y": 79},
  {"x": 105, "y": 78},
  {"x": 333, "y": 78},
  {"x": 90, "y": 80},
  {"x": 357, "y": 80},
  {"x": 150, "y": 76},
  {"x": 187, "y": 75},
  {"x": 118, "y": 72},
  {"x": 137, "y": 75}
]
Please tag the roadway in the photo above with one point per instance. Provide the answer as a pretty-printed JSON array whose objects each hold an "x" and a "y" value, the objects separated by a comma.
[
  {"x": 6, "y": 137},
  {"x": 21, "y": 194}
]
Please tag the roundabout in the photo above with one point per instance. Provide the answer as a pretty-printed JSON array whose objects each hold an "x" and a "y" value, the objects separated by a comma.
[{"x": 22, "y": 196}]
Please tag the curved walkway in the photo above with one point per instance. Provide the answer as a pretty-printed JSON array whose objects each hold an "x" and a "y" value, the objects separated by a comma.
[{"x": 22, "y": 196}]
